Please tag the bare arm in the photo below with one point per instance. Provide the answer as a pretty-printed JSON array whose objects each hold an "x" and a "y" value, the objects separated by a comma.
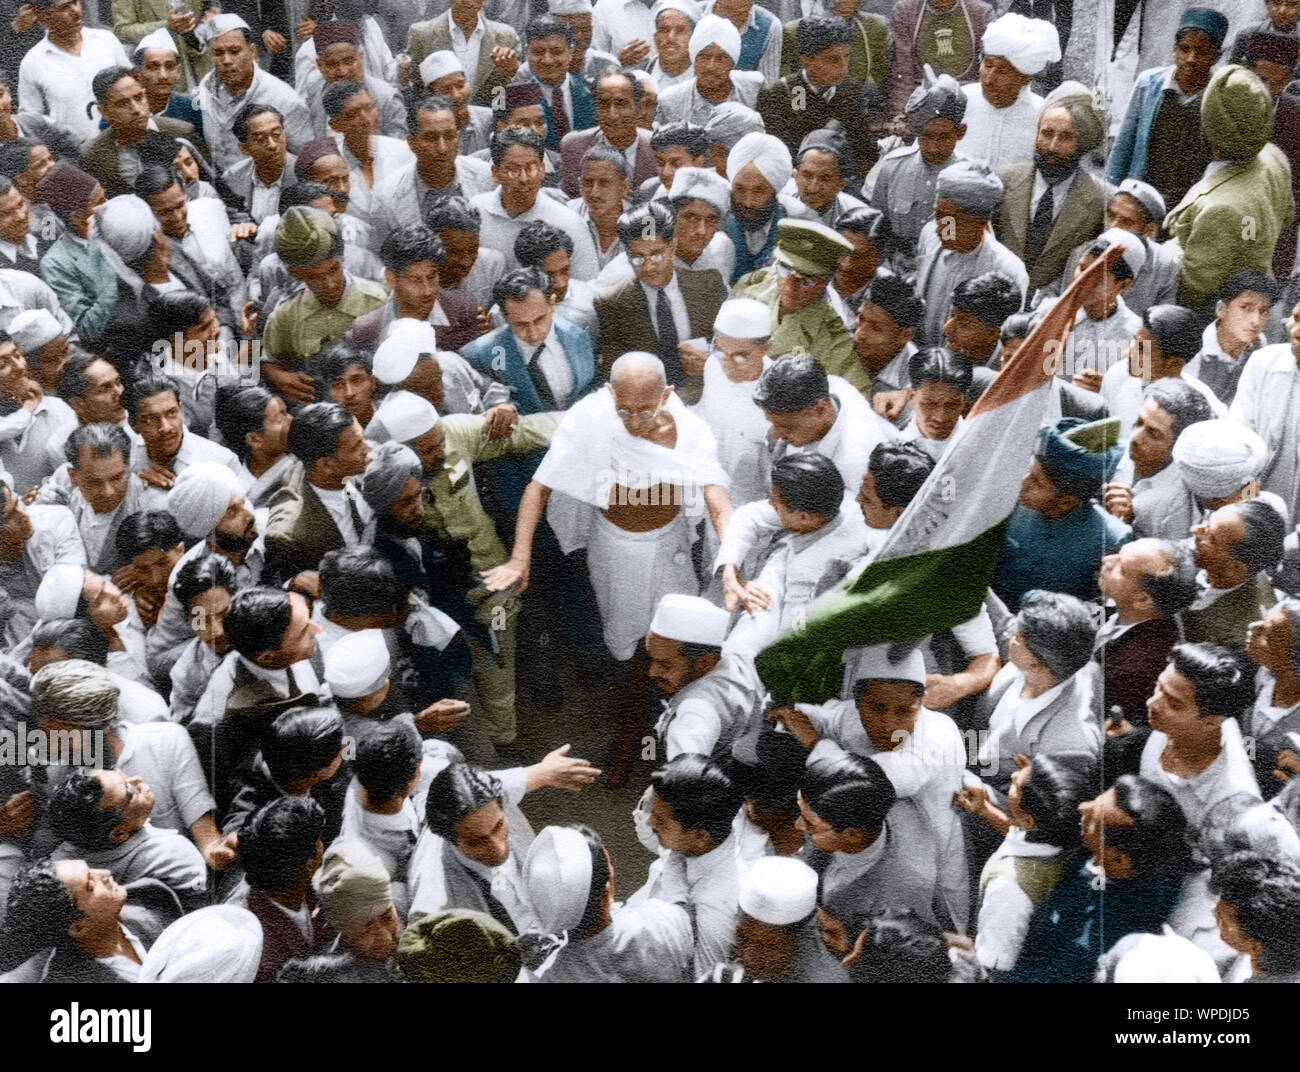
[
  {"x": 719, "y": 504},
  {"x": 514, "y": 571}
]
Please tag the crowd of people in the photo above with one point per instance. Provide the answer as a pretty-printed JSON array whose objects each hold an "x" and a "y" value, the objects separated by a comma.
[{"x": 369, "y": 370}]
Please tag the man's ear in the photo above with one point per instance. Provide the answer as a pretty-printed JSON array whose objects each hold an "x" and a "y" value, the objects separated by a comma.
[
  {"x": 118, "y": 834},
  {"x": 855, "y": 839},
  {"x": 706, "y": 662},
  {"x": 78, "y": 928},
  {"x": 961, "y": 132}
]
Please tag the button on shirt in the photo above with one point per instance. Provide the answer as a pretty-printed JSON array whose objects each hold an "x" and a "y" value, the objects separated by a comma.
[
  {"x": 55, "y": 83},
  {"x": 554, "y": 366},
  {"x": 467, "y": 49}
]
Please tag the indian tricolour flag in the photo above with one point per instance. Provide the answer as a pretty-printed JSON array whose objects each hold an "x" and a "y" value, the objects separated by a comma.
[{"x": 934, "y": 568}]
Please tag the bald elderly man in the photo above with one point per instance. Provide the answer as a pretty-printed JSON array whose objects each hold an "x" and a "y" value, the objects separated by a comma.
[{"x": 633, "y": 469}]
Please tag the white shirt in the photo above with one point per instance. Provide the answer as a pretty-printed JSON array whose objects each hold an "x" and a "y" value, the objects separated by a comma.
[
  {"x": 1000, "y": 136},
  {"x": 675, "y": 303},
  {"x": 467, "y": 49},
  {"x": 1060, "y": 191},
  {"x": 10, "y": 249},
  {"x": 554, "y": 366},
  {"x": 57, "y": 84},
  {"x": 498, "y": 230},
  {"x": 617, "y": 23},
  {"x": 336, "y": 502}
]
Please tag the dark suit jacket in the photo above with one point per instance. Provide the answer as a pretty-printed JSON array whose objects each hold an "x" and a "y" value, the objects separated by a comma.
[
  {"x": 239, "y": 178},
  {"x": 435, "y": 36},
  {"x": 575, "y": 145},
  {"x": 1132, "y": 662},
  {"x": 99, "y": 157},
  {"x": 792, "y": 109},
  {"x": 496, "y": 354},
  {"x": 625, "y": 324},
  {"x": 150, "y": 908},
  {"x": 1081, "y": 219},
  {"x": 300, "y": 528},
  {"x": 281, "y": 938}
]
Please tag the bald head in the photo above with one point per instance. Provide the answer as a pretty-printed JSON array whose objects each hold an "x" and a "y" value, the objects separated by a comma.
[
  {"x": 639, "y": 387},
  {"x": 637, "y": 367}
]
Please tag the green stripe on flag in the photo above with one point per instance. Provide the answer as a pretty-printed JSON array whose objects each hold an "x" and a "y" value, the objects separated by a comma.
[{"x": 891, "y": 600}]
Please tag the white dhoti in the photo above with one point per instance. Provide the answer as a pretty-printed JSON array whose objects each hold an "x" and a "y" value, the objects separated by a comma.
[{"x": 632, "y": 571}]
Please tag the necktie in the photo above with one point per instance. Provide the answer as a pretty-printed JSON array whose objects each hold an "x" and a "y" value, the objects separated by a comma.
[
  {"x": 359, "y": 526},
  {"x": 495, "y": 908},
  {"x": 668, "y": 338},
  {"x": 559, "y": 117},
  {"x": 539, "y": 380},
  {"x": 1039, "y": 227}
]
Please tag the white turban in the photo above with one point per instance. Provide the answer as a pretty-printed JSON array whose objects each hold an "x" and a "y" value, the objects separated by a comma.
[
  {"x": 127, "y": 226},
  {"x": 438, "y": 65},
  {"x": 778, "y": 890},
  {"x": 357, "y": 664},
  {"x": 216, "y": 944},
  {"x": 60, "y": 591},
  {"x": 683, "y": 7},
  {"x": 701, "y": 184},
  {"x": 1028, "y": 45},
  {"x": 690, "y": 620},
  {"x": 744, "y": 318},
  {"x": 882, "y": 662},
  {"x": 1217, "y": 458},
  {"x": 201, "y": 495},
  {"x": 557, "y": 874},
  {"x": 569, "y": 7},
  {"x": 33, "y": 329},
  {"x": 352, "y": 883},
  {"x": 209, "y": 30},
  {"x": 159, "y": 39},
  {"x": 714, "y": 30},
  {"x": 1161, "y": 958},
  {"x": 407, "y": 340},
  {"x": 402, "y": 416},
  {"x": 729, "y": 122},
  {"x": 766, "y": 152}
]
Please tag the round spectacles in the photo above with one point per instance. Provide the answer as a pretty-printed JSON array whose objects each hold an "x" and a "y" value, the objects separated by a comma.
[
  {"x": 636, "y": 260},
  {"x": 517, "y": 173},
  {"x": 642, "y": 417}
]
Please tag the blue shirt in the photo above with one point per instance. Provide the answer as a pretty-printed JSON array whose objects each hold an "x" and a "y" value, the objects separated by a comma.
[{"x": 1059, "y": 556}]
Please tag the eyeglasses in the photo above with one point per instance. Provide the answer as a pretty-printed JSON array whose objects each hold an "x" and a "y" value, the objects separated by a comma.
[
  {"x": 517, "y": 173},
  {"x": 642, "y": 417},
  {"x": 637, "y": 260},
  {"x": 807, "y": 282}
]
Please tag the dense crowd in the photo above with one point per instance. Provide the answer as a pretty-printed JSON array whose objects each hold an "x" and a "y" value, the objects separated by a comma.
[{"x": 368, "y": 370}]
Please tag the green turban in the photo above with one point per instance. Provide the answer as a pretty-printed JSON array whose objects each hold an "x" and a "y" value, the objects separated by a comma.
[
  {"x": 1237, "y": 113},
  {"x": 307, "y": 236}
]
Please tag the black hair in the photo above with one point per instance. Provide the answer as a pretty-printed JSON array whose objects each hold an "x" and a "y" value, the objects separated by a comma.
[
  {"x": 302, "y": 194},
  {"x": 1176, "y": 589},
  {"x": 105, "y": 80},
  {"x": 316, "y": 430},
  {"x": 1056, "y": 786},
  {"x": 792, "y": 383},
  {"x": 1119, "y": 268},
  {"x": 848, "y": 792},
  {"x": 938, "y": 364},
  {"x": 1222, "y": 683},
  {"x": 896, "y": 296},
  {"x": 990, "y": 298},
  {"x": 700, "y": 793},
  {"x": 517, "y": 285},
  {"x": 621, "y": 72},
  {"x": 505, "y": 140},
  {"x": 154, "y": 179},
  {"x": 1177, "y": 331},
  {"x": 156, "y": 149},
  {"x": 302, "y": 741},
  {"x": 335, "y": 360},
  {"x": 257, "y": 620},
  {"x": 839, "y": 149},
  {"x": 867, "y": 222},
  {"x": 202, "y": 574},
  {"x": 1265, "y": 894},
  {"x": 240, "y": 410},
  {"x": 146, "y": 386},
  {"x": 1058, "y": 629},
  {"x": 811, "y": 482},
  {"x": 239, "y": 125},
  {"x": 39, "y": 911},
  {"x": 335, "y": 96},
  {"x": 278, "y": 840},
  {"x": 603, "y": 154},
  {"x": 430, "y": 102},
  {"x": 388, "y": 755},
  {"x": 549, "y": 26},
  {"x": 74, "y": 813},
  {"x": 1157, "y": 838},
  {"x": 1016, "y": 326},
  {"x": 654, "y": 219},
  {"x": 1183, "y": 402},
  {"x": 900, "y": 469},
  {"x": 100, "y": 439},
  {"x": 411, "y": 245},
  {"x": 818, "y": 32},
  {"x": 457, "y": 791},
  {"x": 147, "y": 530},
  {"x": 1260, "y": 547},
  {"x": 360, "y": 581},
  {"x": 79, "y": 638},
  {"x": 451, "y": 212},
  {"x": 176, "y": 311},
  {"x": 16, "y": 157},
  {"x": 1251, "y": 279},
  {"x": 599, "y": 880},
  {"x": 772, "y": 783},
  {"x": 539, "y": 240},
  {"x": 689, "y": 136},
  {"x": 901, "y": 947}
]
